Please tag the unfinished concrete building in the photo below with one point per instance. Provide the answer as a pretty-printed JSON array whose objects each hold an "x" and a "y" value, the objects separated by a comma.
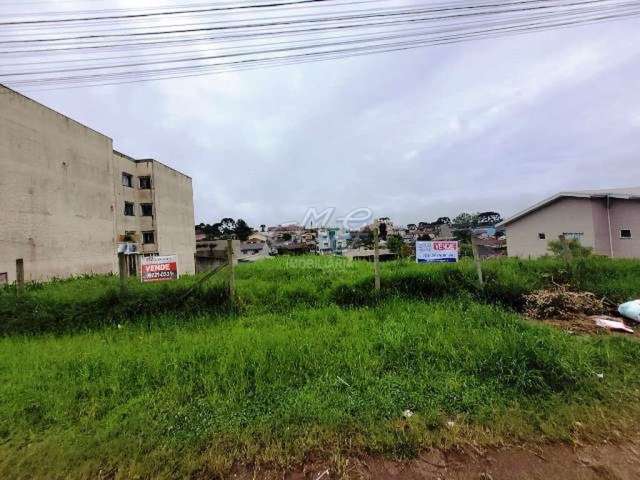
[{"x": 70, "y": 202}]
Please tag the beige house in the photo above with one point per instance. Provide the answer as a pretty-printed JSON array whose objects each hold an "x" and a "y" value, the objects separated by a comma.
[
  {"x": 69, "y": 201},
  {"x": 606, "y": 220}
]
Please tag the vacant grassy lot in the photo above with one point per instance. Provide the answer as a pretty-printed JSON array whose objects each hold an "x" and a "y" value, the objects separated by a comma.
[
  {"x": 309, "y": 363},
  {"x": 280, "y": 284}
]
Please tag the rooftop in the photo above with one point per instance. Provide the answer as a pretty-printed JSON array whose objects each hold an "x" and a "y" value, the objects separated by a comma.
[{"x": 619, "y": 193}]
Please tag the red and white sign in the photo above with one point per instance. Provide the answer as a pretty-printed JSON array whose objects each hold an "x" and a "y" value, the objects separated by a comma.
[
  {"x": 159, "y": 268},
  {"x": 437, "y": 251}
]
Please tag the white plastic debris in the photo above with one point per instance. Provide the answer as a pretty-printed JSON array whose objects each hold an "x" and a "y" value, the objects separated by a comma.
[
  {"x": 451, "y": 423},
  {"x": 611, "y": 324},
  {"x": 600, "y": 375},
  {"x": 407, "y": 413},
  {"x": 630, "y": 310}
]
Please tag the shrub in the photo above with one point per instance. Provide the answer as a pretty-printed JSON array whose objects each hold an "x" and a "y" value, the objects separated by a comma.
[{"x": 574, "y": 247}]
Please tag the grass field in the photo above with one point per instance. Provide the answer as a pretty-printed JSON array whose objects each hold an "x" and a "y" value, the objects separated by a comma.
[
  {"x": 280, "y": 284},
  {"x": 310, "y": 363}
]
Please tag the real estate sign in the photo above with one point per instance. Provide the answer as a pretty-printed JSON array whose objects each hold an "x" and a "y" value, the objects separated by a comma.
[
  {"x": 159, "y": 268},
  {"x": 436, "y": 251}
]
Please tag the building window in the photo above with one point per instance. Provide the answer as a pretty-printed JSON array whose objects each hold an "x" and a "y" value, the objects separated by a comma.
[
  {"x": 147, "y": 209},
  {"x": 625, "y": 233},
  {"x": 148, "y": 237},
  {"x": 127, "y": 180},
  {"x": 542, "y": 236},
  {"x": 574, "y": 236},
  {"x": 128, "y": 209},
  {"x": 129, "y": 236},
  {"x": 145, "y": 183}
]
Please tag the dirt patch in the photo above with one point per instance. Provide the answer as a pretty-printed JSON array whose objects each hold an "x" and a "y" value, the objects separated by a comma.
[
  {"x": 585, "y": 325},
  {"x": 554, "y": 461}
]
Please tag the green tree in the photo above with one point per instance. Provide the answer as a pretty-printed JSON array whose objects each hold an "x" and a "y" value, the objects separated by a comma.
[
  {"x": 488, "y": 219},
  {"x": 228, "y": 226},
  {"x": 211, "y": 231},
  {"x": 242, "y": 230},
  {"x": 465, "y": 220},
  {"x": 394, "y": 244}
]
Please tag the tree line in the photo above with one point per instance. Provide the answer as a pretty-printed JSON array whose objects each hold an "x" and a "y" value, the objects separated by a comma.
[{"x": 226, "y": 228}]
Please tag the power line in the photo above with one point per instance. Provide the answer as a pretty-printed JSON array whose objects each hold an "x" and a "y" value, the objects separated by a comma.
[
  {"x": 247, "y": 32},
  {"x": 325, "y": 38},
  {"x": 483, "y": 10},
  {"x": 165, "y": 13},
  {"x": 290, "y": 45}
]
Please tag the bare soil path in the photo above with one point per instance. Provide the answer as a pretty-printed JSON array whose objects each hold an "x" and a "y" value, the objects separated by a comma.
[{"x": 604, "y": 461}]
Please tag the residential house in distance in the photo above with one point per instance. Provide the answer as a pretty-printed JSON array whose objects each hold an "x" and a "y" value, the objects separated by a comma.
[
  {"x": 606, "y": 220},
  {"x": 291, "y": 239},
  {"x": 257, "y": 237},
  {"x": 211, "y": 254},
  {"x": 70, "y": 202},
  {"x": 367, "y": 254},
  {"x": 332, "y": 240},
  {"x": 200, "y": 235},
  {"x": 252, "y": 251}
]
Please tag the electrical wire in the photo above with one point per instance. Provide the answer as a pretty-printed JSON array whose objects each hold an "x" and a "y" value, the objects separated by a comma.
[{"x": 246, "y": 44}]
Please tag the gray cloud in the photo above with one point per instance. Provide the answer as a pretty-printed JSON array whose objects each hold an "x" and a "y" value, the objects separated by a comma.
[{"x": 494, "y": 124}]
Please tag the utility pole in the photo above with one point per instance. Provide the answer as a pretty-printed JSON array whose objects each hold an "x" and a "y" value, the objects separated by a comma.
[
  {"x": 19, "y": 276},
  {"x": 477, "y": 259},
  {"x": 232, "y": 272},
  {"x": 122, "y": 271},
  {"x": 376, "y": 255}
]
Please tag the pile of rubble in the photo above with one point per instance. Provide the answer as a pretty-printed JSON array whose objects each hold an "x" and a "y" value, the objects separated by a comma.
[
  {"x": 579, "y": 311},
  {"x": 562, "y": 303}
]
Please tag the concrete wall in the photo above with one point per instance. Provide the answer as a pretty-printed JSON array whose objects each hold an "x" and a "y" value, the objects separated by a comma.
[
  {"x": 173, "y": 204},
  {"x": 600, "y": 226},
  {"x": 56, "y": 193},
  {"x": 625, "y": 214},
  {"x": 564, "y": 215}
]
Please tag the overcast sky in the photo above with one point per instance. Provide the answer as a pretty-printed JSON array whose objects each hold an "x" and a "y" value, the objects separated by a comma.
[{"x": 490, "y": 125}]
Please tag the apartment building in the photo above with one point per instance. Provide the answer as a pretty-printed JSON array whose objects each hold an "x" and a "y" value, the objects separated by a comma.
[
  {"x": 70, "y": 202},
  {"x": 332, "y": 240},
  {"x": 606, "y": 220}
]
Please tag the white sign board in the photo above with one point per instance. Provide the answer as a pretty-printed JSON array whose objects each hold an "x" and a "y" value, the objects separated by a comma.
[
  {"x": 159, "y": 268},
  {"x": 436, "y": 251}
]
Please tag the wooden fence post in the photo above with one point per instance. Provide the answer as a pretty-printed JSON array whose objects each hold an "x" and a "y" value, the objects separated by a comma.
[
  {"x": 20, "y": 276},
  {"x": 477, "y": 260},
  {"x": 122, "y": 271},
  {"x": 376, "y": 255},
  {"x": 232, "y": 270}
]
